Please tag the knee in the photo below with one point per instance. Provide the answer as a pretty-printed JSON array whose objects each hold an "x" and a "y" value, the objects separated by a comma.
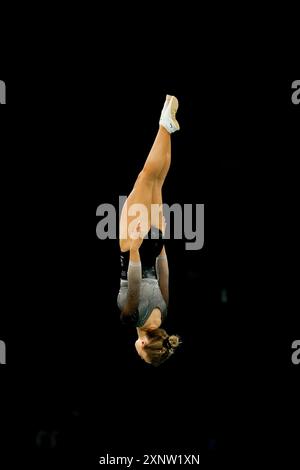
[
  {"x": 159, "y": 181},
  {"x": 140, "y": 175},
  {"x": 146, "y": 175}
]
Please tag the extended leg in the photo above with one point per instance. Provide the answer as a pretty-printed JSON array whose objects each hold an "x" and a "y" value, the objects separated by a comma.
[
  {"x": 147, "y": 188},
  {"x": 142, "y": 193},
  {"x": 157, "y": 214}
]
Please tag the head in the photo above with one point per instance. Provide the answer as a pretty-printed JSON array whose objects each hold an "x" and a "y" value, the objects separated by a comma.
[{"x": 157, "y": 346}]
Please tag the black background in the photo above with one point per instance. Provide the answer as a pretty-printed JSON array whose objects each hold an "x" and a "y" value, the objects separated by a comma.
[{"x": 73, "y": 387}]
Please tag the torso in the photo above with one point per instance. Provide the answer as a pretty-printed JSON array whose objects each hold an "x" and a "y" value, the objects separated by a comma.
[{"x": 149, "y": 250}]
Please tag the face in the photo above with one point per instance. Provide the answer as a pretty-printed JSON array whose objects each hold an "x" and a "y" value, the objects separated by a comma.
[{"x": 139, "y": 346}]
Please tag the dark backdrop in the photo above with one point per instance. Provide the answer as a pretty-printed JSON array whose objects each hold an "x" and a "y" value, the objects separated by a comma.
[{"x": 73, "y": 385}]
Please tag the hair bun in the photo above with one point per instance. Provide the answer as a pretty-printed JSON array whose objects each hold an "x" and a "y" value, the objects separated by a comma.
[{"x": 174, "y": 341}]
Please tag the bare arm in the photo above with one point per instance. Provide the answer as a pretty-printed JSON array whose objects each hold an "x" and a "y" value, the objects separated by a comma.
[
  {"x": 162, "y": 269},
  {"x": 134, "y": 277}
]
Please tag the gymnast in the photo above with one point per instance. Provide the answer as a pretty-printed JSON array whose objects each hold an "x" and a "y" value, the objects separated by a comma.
[{"x": 144, "y": 285}]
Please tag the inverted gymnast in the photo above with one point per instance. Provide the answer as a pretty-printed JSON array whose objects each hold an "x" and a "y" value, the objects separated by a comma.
[{"x": 144, "y": 286}]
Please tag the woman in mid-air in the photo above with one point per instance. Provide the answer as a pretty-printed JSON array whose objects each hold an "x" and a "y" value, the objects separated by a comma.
[{"x": 144, "y": 291}]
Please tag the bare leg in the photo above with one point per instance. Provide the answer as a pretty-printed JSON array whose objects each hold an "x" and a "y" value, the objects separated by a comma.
[
  {"x": 157, "y": 215},
  {"x": 146, "y": 189},
  {"x": 156, "y": 159}
]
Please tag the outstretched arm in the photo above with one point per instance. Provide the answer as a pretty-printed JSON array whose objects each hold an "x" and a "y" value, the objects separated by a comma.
[
  {"x": 162, "y": 269},
  {"x": 134, "y": 276}
]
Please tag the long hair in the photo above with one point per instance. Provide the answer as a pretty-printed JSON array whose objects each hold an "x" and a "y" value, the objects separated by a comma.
[{"x": 161, "y": 346}]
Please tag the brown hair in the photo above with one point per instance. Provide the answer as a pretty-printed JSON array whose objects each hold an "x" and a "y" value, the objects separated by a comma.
[{"x": 161, "y": 346}]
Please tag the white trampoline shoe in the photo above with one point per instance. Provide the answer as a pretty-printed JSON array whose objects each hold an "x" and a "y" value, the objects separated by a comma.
[
  {"x": 168, "y": 115},
  {"x": 168, "y": 97}
]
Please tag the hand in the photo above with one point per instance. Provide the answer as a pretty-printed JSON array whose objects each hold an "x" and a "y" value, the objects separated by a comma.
[{"x": 136, "y": 237}]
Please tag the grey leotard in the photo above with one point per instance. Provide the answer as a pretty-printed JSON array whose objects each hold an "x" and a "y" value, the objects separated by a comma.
[
  {"x": 150, "y": 296},
  {"x": 141, "y": 282}
]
